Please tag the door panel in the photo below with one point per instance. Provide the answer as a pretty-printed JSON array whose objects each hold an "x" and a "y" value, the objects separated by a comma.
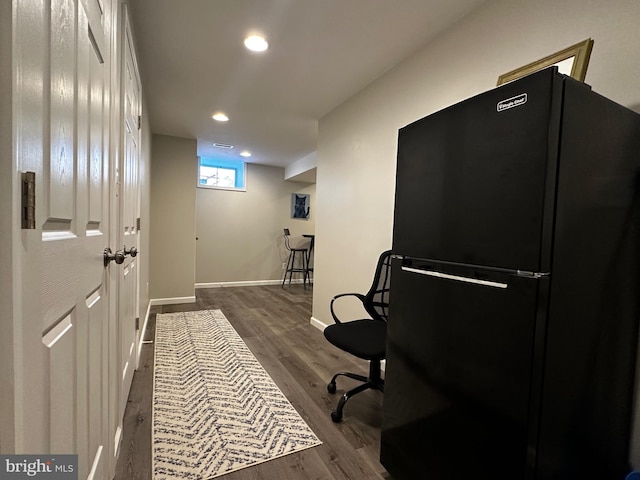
[
  {"x": 29, "y": 121},
  {"x": 61, "y": 345},
  {"x": 97, "y": 172},
  {"x": 62, "y": 239},
  {"x": 71, "y": 366},
  {"x": 62, "y": 176},
  {"x": 61, "y": 360},
  {"x": 127, "y": 231},
  {"x": 96, "y": 176}
]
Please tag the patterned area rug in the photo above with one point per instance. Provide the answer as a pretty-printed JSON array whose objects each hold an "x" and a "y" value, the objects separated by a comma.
[{"x": 215, "y": 409}]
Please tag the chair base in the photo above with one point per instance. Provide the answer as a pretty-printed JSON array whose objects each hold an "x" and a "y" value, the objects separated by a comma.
[{"x": 373, "y": 381}]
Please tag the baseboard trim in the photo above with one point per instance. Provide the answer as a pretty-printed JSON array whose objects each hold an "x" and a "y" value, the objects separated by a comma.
[
  {"x": 116, "y": 441},
  {"x": 248, "y": 283},
  {"x": 171, "y": 301},
  {"x": 318, "y": 324},
  {"x": 142, "y": 333}
]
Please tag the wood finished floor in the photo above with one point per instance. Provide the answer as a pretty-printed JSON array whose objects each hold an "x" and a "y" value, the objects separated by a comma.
[{"x": 274, "y": 323}]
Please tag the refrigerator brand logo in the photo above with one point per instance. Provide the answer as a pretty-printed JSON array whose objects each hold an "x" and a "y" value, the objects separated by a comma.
[{"x": 512, "y": 102}]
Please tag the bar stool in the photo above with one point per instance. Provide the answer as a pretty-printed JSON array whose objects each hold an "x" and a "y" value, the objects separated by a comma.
[{"x": 298, "y": 258}]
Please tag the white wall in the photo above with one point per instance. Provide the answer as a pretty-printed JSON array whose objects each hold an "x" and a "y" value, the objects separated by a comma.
[
  {"x": 240, "y": 236},
  {"x": 357, "y": 141}
]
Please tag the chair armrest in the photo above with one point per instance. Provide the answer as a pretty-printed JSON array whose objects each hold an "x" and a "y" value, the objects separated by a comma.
[{"x": 359, "y": 296}]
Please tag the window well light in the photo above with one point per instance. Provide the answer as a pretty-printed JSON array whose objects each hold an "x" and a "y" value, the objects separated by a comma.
[
  {"x": 256, "y": 43},
  {"x": 220, "y": 117},
  {"x": 245, "y": 154}
]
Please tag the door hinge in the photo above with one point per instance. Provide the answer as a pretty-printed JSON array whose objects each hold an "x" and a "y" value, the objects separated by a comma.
[
  {"x": 137, "y": 323},
  {"x": 139, "y": 122},
  {"x": 28, "y": 200}
]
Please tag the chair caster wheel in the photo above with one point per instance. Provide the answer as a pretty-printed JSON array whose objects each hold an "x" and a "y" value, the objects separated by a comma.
[
  {"x": 336, "y": 416},
  {"x": 331, "y": 388}
]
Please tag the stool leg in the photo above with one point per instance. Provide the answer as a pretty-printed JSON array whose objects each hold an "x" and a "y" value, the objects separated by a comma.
[
  {"x": 288, "y": 269},
  {"x": 304, "y": 270},
  {"x": 293, "y": 264}
]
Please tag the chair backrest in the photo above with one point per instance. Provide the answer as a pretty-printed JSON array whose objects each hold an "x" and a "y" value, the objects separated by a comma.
[
  {"x": 295, "y": 243},
  {"x": 287, "y": 233},
  {"x": 376, "y": 301}
]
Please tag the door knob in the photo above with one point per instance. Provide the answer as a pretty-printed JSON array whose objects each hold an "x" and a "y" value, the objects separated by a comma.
[
  {"x": 133, "y": 251},
  {"x": 108, "y": 256}
]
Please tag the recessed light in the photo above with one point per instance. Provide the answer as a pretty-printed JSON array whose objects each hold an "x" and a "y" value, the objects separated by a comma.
[
  {"x": 256, "y": 43},
  {"x": 220, "y": 117},
  {"x": 245, "y": 153}
]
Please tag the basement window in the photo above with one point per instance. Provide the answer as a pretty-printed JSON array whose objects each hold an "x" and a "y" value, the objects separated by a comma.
[{"x": 221, "y": 174}]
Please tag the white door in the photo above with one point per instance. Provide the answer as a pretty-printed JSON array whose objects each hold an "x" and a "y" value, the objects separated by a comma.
[
  {"x": 61, "y": 391},
  {"x": 128, "y": 206}
]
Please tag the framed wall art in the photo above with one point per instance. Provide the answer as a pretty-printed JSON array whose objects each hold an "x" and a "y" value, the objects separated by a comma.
[
  {"x": 300, "y": 205},
  {"x": 572, "y": 61}
]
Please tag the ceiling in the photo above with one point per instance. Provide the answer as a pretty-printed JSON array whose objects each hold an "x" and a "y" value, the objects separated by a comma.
[{"x": 193, "y": 64}]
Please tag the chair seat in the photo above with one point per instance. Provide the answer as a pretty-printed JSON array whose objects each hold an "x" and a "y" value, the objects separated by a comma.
[{"x": 365, "y": 339}]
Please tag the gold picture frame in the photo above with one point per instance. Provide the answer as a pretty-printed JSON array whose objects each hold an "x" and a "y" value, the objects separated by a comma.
[{"x": 573, "y": 59}]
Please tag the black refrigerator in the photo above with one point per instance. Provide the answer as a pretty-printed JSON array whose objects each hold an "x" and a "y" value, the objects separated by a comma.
[{"x": 515, "y": 289}]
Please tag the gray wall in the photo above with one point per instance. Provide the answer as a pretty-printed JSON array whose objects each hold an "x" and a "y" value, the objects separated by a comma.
[
  {"x": 357, "y": 141},
  {"x": 173, "y": 218},
  {"x": 240, "y": 233}
]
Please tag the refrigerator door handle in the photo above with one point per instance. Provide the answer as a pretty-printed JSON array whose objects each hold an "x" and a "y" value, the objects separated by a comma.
[{"x": 486, "y": 283}]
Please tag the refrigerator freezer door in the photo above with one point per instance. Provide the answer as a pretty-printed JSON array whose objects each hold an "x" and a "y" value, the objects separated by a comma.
[
  {"x": 475, "y": 181},
  {"x": 460, "y": 371}
]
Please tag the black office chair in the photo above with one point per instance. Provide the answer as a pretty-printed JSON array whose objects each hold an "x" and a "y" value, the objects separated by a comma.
[
  {"x": 298, "y": 261},
  {"x": 364, "y": 338}
]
